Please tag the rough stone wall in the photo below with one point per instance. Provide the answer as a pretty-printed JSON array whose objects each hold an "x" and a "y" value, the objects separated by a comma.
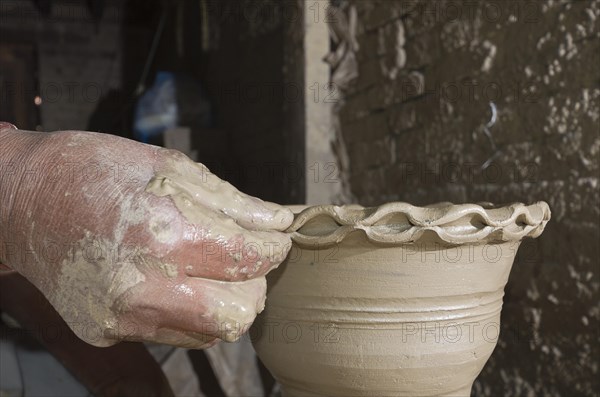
[
  {"x": 430, "y": 76},
  {"x": 78, "y": 59}
]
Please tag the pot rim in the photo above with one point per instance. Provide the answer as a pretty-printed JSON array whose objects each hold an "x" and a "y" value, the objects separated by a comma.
[{"x": 399, "y": 223}]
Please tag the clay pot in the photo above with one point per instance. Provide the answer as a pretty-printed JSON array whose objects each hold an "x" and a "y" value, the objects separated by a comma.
[{"x": 396, "y": 300}]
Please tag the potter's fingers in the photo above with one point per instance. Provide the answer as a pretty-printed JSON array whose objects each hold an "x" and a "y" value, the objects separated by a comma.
[
  {"x": 256, "y": 214},
  {"x": 245, "y": 256},
  {"x": 212, "y": 245},
  {"x": 232, "y": 307},
  {"x": 6, "y": 126},
  {"x": 248, "y": 211},
  {"x": 181, "y": 176},
  {"x": 233, "y": 255},
  {"x": 200, "y": 308},
  {"x": 166, "y": 336}
]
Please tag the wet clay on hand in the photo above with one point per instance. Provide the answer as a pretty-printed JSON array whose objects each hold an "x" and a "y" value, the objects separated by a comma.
[{"x": 135, "y": 242}]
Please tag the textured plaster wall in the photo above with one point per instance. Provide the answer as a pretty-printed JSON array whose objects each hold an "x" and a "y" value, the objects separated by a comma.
[{"x": 429, "y": 75}]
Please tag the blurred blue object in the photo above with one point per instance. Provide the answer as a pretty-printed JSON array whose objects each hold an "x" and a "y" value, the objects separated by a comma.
[{"x": 156, "y": 110}]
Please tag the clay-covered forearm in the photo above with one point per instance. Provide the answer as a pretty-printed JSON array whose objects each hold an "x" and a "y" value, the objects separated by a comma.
[
  {"x": 54, "y": 189},
  {"x": 32, "y": 177},
  {"x": 17, "y": 176}
]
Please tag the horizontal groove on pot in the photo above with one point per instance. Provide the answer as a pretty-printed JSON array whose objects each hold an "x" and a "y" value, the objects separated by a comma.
[
  {"x": 357, "y": 320},
  {"x": 387, "y": 311},
  {"x": 391, "y": 305}
]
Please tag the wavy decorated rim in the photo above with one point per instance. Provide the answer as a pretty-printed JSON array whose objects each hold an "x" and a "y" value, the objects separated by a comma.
[{"x": 403, "y": 223}]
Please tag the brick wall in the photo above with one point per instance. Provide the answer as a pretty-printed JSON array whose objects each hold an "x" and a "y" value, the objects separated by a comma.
[{"x": 415, "y": 118}]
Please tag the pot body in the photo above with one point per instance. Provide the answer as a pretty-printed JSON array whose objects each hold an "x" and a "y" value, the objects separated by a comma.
[{"x": 358, "y": 318}]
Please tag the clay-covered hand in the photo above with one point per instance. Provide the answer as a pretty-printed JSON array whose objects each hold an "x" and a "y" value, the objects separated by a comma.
[{"x": 134, "y": 242}]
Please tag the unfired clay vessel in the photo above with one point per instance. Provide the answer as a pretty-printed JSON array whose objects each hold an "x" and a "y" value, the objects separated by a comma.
[{"x": 396, "y": 300}]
